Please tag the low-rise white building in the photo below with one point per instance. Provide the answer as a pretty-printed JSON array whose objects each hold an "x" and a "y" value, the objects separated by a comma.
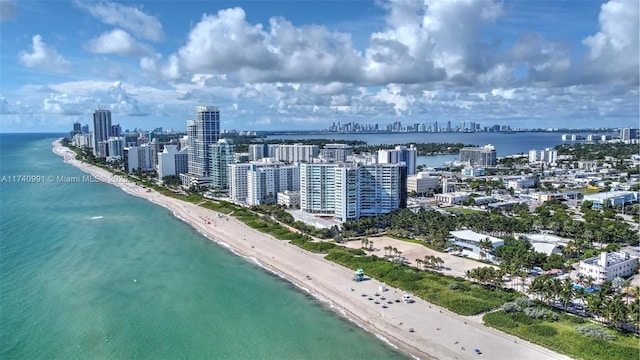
[
  {"x": 290, "y": 199},
  {"x": 609, "y": 266},
  {"x": 451, "y": 198},
  {"x": 422, "y": 183},
  {"x": 612, "y": 198},
  {"x": 469, "y": 241},
  {"x": 519, "y": 182}
]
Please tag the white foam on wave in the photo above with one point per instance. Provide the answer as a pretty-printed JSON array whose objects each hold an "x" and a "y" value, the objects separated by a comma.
[{"x": 97, "y": 217}]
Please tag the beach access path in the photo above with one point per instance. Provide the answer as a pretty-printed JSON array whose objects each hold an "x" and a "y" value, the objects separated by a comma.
[{"x": 438, "y": 333}]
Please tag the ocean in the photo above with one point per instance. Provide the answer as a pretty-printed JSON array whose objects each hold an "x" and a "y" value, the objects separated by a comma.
[
  {"x": 90, "y": 272},
  {"x": 505, "y": 143}
]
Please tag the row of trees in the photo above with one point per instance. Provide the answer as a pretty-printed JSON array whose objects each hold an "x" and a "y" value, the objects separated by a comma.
[
  {"x": 486, "y": 275},
  {"x": 433, "y": 227},
  {"x": 430, "y": 262},
  {"x": 422, "y": 148},
  {"x": 598, "y": 151},
  {"x": 606, "y": 307},
  {"x": 366, "y": 244}
]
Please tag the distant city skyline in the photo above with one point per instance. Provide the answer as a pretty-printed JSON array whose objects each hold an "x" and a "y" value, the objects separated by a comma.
[{"x": 273, "y": 66}]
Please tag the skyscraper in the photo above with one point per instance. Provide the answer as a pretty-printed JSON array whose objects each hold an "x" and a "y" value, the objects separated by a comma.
[
  {"x": 101, "y": 129},
  {"x": 221, "y": 156},
  {"x": 351, "y": 190},
  {"x": 400, "y": 154},
  {"x": 203, "y": 132},
  {"x": 483, "y": 156}
]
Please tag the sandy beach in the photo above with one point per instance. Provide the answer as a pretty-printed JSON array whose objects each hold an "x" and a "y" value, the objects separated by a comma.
[{"x": 438, "y": 333}]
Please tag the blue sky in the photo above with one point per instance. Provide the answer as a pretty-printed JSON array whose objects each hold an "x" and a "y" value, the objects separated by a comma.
[{"x": 306, "y": 64}]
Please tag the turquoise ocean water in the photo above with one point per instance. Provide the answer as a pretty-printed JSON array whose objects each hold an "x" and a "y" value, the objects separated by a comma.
[{"x": 89, "y": 272}]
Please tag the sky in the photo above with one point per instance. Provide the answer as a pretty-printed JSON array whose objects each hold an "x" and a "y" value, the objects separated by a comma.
[{"x": 298, "y": 65}]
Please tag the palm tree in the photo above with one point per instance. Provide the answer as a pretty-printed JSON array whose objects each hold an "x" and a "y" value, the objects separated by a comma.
[
  {"x": 428, "y": 261},
  {"x": 615, "y": 311},
  {"x": 438, "y": 262},
  {"x": 566, "y": 292},
  {"x": 633, "y": 310},
  {"x": 580, "y": 294},
  {"x": 537, "y": 286},
  {"x": 522, "y": 275},
  {"x": 595, "y": 304}
]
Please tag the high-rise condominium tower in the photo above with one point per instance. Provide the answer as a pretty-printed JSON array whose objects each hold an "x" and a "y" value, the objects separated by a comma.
[
  {"x": 101, "y": 129},
  {"x": 203, "y": 132}
]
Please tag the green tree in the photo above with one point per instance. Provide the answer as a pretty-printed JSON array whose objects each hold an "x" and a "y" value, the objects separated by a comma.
[
  {"x": 554, "y": 261},
  {"x": 615, "y": 311}
]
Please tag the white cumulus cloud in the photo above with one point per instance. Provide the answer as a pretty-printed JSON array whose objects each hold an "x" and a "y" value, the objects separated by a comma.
[
  {"x": 118, "y": 42},
  {"x": 44, "y": 57},
  {"x": 614, "y": 51}
]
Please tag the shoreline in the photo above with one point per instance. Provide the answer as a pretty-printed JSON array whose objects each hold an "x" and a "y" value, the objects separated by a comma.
[{"x": 439, "y": 334}]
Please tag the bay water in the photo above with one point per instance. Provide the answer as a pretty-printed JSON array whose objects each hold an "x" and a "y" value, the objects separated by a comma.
[{"x": 90, "y": 272}]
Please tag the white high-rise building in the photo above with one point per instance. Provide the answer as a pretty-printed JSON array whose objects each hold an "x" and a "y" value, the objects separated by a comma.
[
  {"x": 172, "y": 161},
  {"x": 296, "y": 153},
  {"x": 266, "y": 180},
  {"x": 625, "y": 134},
  {"x": 347, "y": 192},
  {"x": 547, "y": 156},
  {"x": 317, "y": 187},
  {"x": 400, "y": 154},
  {"x": 259, "y": 182},
  {"x": 483, "y": 156},
  {"x": 383, "y": 188},
  {"x": 222, "y": 154},
  {"x": 352, "y": 190},
  {"x": 101, "y": 130},
  {"x": 336, "y": 152},
  {"x": 82, "y": 140},
  {"x": 238, "y": 181},
  {"x": 116, "y": 148},
  {"x": 258, "y": 151},
  {"x": 138, "y": 158}
]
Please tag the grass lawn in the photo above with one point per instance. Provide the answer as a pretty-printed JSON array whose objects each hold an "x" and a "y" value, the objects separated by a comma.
[
  {"x": 220, "y": 206},
  {"x": 455, "y": 294},
  {"x": 463, "y": 211},
  {"x": 562, "y": 337},
  {"x": 419, "y": 242},
  {"x": 584, "y": 190}
]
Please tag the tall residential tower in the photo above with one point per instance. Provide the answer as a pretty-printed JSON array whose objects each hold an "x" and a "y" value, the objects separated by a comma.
[
  {"x": 101, "y": 130},
  {"x": 203, "y": 132}
]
